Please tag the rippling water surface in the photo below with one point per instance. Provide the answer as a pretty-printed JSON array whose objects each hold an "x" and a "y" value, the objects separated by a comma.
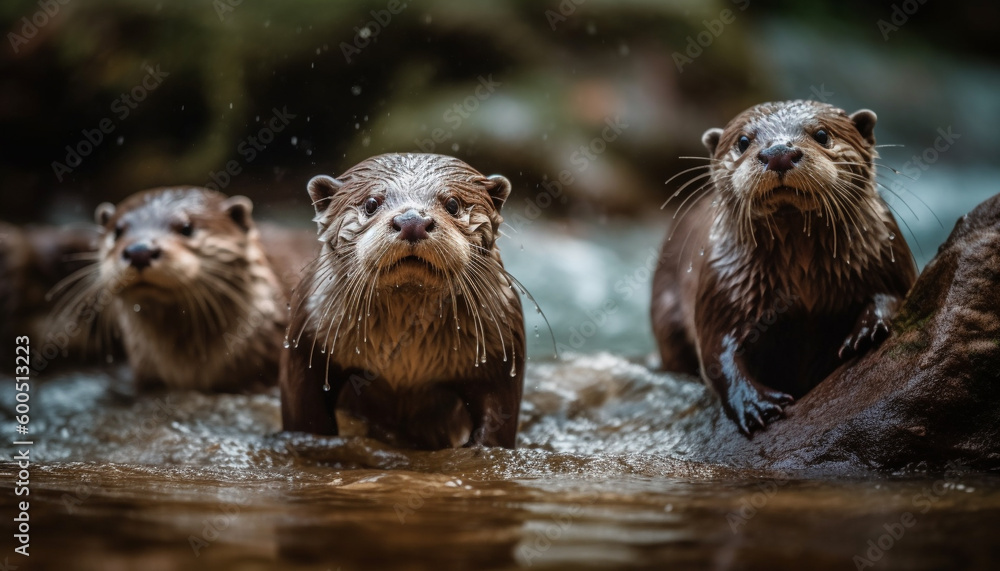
[{"x": 184, "y": 480}]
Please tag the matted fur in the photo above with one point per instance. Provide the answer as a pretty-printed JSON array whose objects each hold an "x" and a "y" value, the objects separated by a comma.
[
  {"x": 767, "y": 275},
  {"x": 407, "y": 317}
]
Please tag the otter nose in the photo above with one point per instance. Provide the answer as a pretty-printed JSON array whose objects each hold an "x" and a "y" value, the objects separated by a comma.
[
  {"x": 140, "y": 254},
  {"x": 779, "y": 158},
  {"x": 412, "y": 226}
]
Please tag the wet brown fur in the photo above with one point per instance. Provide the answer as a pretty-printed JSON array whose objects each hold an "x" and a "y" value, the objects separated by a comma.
[
  {"x": 423, "y": 343},
  {"x": 768, "y": 279},
  {"x": 207, "y": 314}
]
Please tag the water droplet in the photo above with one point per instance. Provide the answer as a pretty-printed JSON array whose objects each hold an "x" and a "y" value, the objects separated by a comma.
[
  {"x": 477, "y": 363},
  {"x": 357, "y": 350},
  {"x": 356, "y": 90},
  {"x": 538, "y": 309},
  {"x": 513, "y": 370},
  {"x": 295, "y": 141},
  {"x": 326, "y": 386},
  {"x": 288, "y": 344},
  {"x": 483, "y": 360},
  {"x": 892, "y": 235},
  {"x": 536, "y": 332},
  {"x": 136, "y": 308},
  {"x": 322, "y": 350},
  {"x": 701, "y": 252},
  {"x": 690, "y": 267}
]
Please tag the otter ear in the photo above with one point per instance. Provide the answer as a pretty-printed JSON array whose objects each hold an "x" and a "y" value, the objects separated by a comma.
[
  {"x": 321, "y": 190},
  {"x": 239, "y": 208},
  {"x": 711, "y": 140},
  {"x": 104, "y": 212},
  {"x": 499, "y": 188},
  {"x": 865, "y": 120}
]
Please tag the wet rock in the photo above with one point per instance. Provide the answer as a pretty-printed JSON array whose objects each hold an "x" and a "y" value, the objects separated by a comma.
[{"x": 928, "y": 396}]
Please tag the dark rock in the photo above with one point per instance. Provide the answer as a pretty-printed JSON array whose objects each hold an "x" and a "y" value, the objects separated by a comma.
[{"x": 927, "y": 397}]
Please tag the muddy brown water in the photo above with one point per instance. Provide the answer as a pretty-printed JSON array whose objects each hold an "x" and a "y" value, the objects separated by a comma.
[{"x": 189, "y": 481}]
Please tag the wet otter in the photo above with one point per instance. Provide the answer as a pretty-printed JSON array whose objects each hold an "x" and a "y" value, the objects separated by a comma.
[
  {"x": 788, "y": 262},
  {"x": 181, "y": 277},
  {"x": 33, "y": 260},
  {"x": 407, "y": 321}
]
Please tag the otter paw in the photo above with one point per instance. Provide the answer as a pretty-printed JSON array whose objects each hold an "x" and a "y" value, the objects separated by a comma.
[
  {"x": 871, "y": 328},
  {"x": 753, "y": 407}
]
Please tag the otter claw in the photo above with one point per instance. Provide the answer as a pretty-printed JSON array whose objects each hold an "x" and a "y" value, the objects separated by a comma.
[
  {"x": 870, "y": 330},
  {"x": 753, "y": 408}
]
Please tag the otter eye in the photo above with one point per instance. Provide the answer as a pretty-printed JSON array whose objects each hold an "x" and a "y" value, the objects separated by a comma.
[
  {"x": 743, "y": 144},
  {"x": 371, "y": 205},
  {"x": 452, "y": 206},
  {"x": 821, "y": 137},
  {"x": 186, "y": 229}
]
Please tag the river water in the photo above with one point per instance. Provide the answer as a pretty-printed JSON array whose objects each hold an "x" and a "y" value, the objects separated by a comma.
[{"x": 184, "y": 480}]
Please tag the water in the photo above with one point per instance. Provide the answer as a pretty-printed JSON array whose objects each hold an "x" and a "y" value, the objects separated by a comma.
[{"x": 184, "y": 480}]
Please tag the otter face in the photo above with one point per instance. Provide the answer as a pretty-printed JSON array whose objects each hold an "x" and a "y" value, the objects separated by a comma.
[
  {"x": 804, "y": 154},
  {"x": 410, "y": 221},
  {"x": 168, "y": 244}
]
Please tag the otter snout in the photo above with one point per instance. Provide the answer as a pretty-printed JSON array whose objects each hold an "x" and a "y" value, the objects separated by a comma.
[
  {"x": 780, "y": 157},
  {"x": 140, "y": 255},
  {"x": 412, "y": 226}
]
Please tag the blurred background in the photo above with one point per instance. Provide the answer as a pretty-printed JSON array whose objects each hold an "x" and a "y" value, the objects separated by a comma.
[{"x": 586, "y": 105}]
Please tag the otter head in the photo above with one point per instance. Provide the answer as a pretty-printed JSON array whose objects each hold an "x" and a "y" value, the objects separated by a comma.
[
  {"x": 806, "y": 155},
  {"x": 409, "y": 221},
  {"x": 174, "y": 244}
]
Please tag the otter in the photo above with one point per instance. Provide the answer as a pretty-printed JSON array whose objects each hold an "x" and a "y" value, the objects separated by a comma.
[
  {"x": 407, "y": 327},
  {"x": 787, "y": 263},
  {"x": 33, "y": 259},
  {"x": 180, "y": 276}
]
